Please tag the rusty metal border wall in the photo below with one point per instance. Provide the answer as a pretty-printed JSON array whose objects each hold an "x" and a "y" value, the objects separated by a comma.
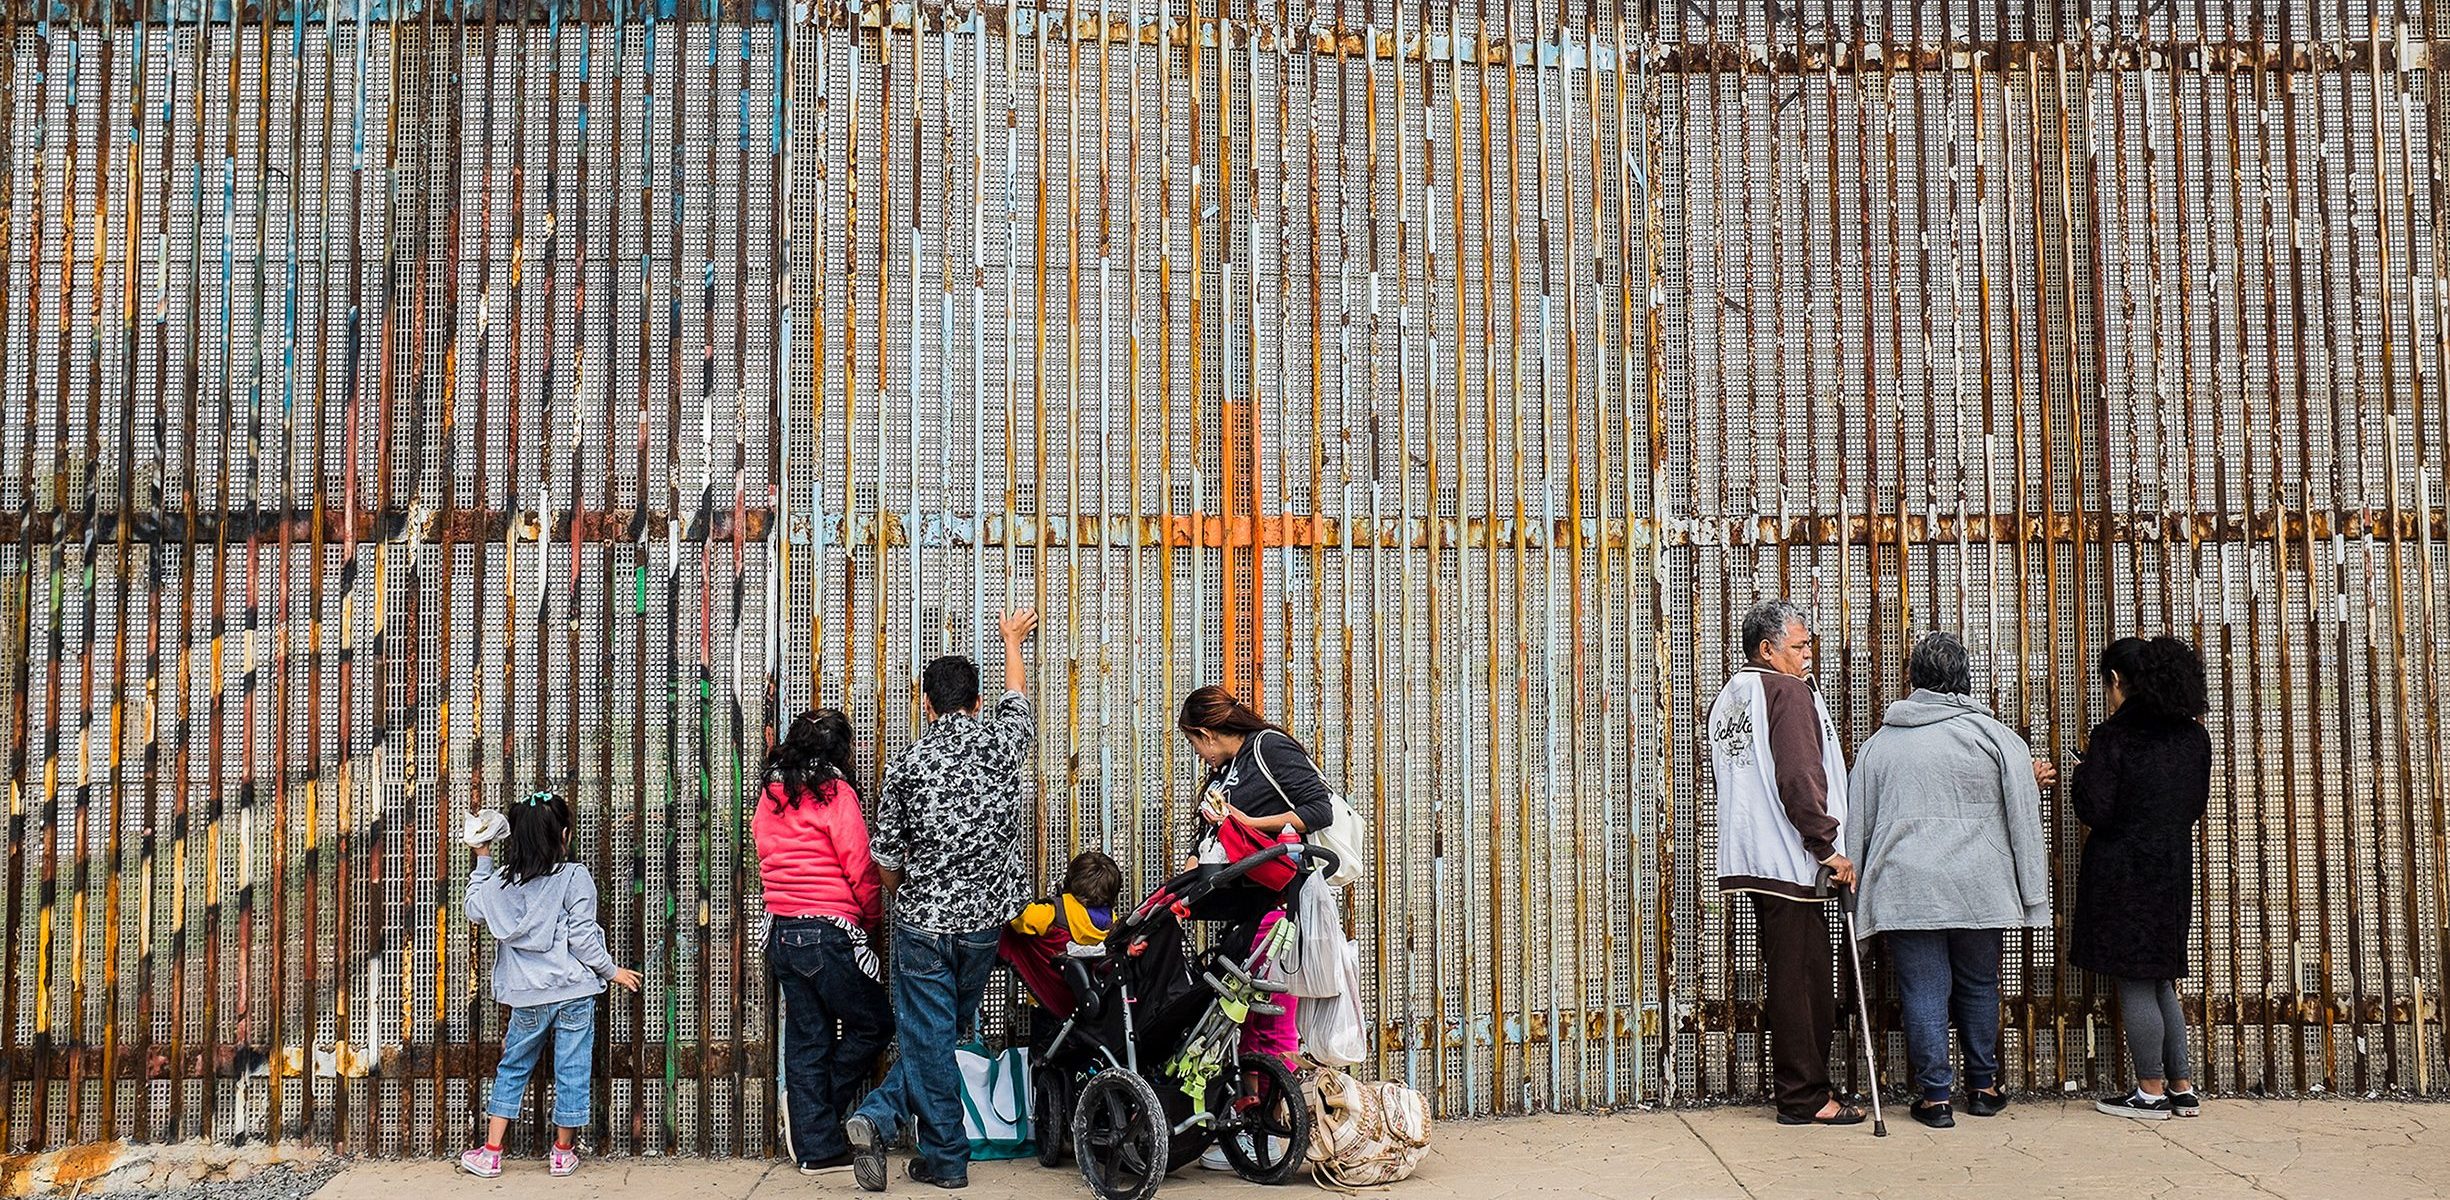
[{"x": 409, "y": 407}]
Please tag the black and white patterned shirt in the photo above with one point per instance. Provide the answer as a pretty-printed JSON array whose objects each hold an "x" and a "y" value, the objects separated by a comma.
[{"x": 949, "y": 819}]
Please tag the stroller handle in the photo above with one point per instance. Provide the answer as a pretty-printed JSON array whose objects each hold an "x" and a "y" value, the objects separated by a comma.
[{"x": 1192, "y": 887}]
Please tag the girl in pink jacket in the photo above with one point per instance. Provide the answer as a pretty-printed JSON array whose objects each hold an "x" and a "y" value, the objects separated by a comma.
[{"x": 825, "y": 896}]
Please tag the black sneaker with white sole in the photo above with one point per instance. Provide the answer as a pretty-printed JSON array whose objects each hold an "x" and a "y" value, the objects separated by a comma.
[
  {"x": 2186, "y": 1104},
  {"x": 2135, "y": 1106},
  {"x": 827, "y": 1166},
  {"x": 867, "y": 1153}
]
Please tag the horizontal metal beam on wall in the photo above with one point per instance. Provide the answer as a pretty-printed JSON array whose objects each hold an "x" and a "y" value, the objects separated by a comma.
[{"x": 476, "y": 527}]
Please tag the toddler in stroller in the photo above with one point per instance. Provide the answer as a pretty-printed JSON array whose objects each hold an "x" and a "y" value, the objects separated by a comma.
[{"x": 1148, "y": 1070}]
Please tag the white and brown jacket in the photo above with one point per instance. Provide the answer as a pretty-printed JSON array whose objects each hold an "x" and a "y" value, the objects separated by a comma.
[{"x": 1781, "y": 784}]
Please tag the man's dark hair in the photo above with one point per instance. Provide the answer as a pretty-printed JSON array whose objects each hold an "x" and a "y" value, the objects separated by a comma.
[
  {"x": 1094, "y": 879},
  {"x": 1938, "y": 664},
  {"x": 1767, "y": 622},
  {"x": 951, "y": 684}
]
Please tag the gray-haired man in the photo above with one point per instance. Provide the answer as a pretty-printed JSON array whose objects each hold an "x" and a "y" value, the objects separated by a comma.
[{"x": 1781, "y": 812}]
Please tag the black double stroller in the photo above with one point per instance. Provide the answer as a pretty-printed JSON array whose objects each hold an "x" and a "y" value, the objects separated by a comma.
[{"x": 1148, "y": 1071}]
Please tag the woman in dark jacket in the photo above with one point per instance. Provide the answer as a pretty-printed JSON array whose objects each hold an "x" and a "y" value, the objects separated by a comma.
[
  {"x": 1262, "y": 779},
  {"x": 2140, "y": 790}
]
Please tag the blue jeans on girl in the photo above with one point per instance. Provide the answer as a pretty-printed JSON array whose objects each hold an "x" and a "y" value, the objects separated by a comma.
[
  {"x": 570, "y": 1026},
  {"x": 835, "y": 1024}
]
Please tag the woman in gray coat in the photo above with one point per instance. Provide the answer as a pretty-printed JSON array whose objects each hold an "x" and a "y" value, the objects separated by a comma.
[{"x": 1946, "y": 832}]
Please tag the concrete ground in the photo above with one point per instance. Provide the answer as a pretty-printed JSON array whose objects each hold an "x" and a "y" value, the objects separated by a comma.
[{"x": 2310, "y": 1149}]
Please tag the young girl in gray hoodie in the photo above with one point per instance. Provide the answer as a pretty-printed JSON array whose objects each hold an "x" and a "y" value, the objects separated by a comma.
[{"x": 550, "y": 963}]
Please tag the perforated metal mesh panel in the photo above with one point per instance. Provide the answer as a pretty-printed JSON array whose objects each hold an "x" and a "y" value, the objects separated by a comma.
[{"x": 406, "y": 416}]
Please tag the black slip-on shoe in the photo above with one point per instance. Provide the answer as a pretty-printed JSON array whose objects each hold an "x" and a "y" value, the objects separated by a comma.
[
  {"x": 1936, "y": 1116},
  {"x": 920, "y": 1174},
  {"x": 1986, "y": 1104}
]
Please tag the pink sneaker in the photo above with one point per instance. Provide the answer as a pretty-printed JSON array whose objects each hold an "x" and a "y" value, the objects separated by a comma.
[
  {"x": 482, "y": 1163},
  {"x": 559, "y": 1161}
]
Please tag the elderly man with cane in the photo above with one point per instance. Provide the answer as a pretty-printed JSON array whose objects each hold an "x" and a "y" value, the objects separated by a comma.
[{"x": 1781, "y": 811}]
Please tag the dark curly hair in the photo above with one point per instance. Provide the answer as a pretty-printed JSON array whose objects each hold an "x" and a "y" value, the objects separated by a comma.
[
  {"x": 816, "y": 751},
  {"x": 2162, "y": 677}
]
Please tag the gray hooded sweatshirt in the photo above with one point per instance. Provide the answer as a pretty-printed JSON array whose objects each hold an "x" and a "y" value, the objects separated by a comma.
[
  {"x": 1945, "y": 822},
  {"x": 548, "y": 946}
]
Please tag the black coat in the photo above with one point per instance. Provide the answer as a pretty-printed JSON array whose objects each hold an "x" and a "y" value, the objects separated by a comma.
[{"x": 2140, "y": 789}]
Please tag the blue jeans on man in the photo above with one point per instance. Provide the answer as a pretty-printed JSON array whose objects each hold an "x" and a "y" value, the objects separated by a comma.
[
  {"x": 1945, "y": 974},
  {"x": 570, "y": 1026},
  {"x": 939, "y": 981}
]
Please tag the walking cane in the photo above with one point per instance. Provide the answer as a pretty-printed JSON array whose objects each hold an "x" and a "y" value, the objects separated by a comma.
[{"x": 1863, "y": 1012}]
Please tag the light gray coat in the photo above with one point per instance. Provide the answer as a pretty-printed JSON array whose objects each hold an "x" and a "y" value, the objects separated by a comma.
[
  {"x": 547, "y": 945},
  {"x": 1945, "y": 822}
]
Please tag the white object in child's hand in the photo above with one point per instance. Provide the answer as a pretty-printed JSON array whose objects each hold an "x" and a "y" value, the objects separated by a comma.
[{"x": 484, "y": 828}]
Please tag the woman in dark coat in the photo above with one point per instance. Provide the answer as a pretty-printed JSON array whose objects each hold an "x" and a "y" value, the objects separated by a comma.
[{"x": 2140, "y": 789}]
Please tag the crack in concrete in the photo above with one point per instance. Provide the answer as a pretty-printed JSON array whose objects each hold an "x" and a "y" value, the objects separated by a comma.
[
  {"x": 2248, "y": 1180},
  {"x": 1715, "y": 1156},
  {"x": 761, "y": 1180}
]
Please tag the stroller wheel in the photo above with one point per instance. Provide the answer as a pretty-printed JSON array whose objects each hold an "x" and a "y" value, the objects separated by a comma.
[
  {"x": 1052, "y": 1102},
  {"x": 1267, "y": 1137},
  {"x": 1119, "y": 1135}
]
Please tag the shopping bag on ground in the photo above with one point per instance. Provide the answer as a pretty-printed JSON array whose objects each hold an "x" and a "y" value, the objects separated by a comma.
[
  {"x": 995, "y": 1101},
  {"x": 1364, "y": 1134}
]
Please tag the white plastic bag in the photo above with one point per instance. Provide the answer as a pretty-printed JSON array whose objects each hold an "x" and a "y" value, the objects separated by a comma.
[
  {"x": 1332, "y": 1028},
  {"x": 1317, "y": 966}
]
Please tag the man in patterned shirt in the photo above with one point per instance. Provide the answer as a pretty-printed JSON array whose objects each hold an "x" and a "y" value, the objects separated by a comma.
[{"x": 948, "y": 839}]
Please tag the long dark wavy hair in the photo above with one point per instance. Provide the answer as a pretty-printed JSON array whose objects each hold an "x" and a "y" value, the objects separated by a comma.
[
  {"x": 2163, "y": 677},
  {"x": 539, "y": 841},
  {"x": 815, "y": 752},
  {"x": 1216, "y": 710}
]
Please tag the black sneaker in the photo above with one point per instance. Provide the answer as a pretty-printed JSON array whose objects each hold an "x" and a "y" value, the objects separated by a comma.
[
  {"x": 1986, "y": 1104},
  {"x": 867, "y": 1153},
  {"x": 2186, "y": 1104},
  {"x": 2135, "y": 1105},
  {"x": 1936, "y": 1116},
  {"x": 827, "y": 1166},
  {"x": 920, "y": 1174}
]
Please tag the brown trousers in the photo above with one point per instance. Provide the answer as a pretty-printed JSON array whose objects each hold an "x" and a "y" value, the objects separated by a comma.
[{"x": 1799, "y": 1004}]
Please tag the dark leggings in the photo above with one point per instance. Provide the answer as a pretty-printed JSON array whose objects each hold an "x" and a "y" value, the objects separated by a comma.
[{"x": 2156, "y": 1028}]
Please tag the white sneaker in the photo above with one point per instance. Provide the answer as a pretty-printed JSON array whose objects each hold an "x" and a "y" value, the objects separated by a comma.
[{"x": 1214, "y": 1160}]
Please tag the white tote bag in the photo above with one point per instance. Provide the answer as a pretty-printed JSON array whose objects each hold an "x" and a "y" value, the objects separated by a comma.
[
  {"x": 1346, "y": 834},
  {"x": 995, "y": 1101}
]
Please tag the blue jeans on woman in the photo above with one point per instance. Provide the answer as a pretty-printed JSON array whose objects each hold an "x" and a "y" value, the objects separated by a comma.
[
  {"x": 835, "y": 1024},
  {"x": 1944, "y": 974},
  {"x": 939, "y": 980},
  {"x": 570, "y": 1026}
]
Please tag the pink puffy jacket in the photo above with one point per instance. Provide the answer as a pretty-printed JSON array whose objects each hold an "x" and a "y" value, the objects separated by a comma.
[{"x": 813, "y": 856}]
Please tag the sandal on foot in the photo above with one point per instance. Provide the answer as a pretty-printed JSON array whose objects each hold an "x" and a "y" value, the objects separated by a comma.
[{"x": 1846, "y": 1114}]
